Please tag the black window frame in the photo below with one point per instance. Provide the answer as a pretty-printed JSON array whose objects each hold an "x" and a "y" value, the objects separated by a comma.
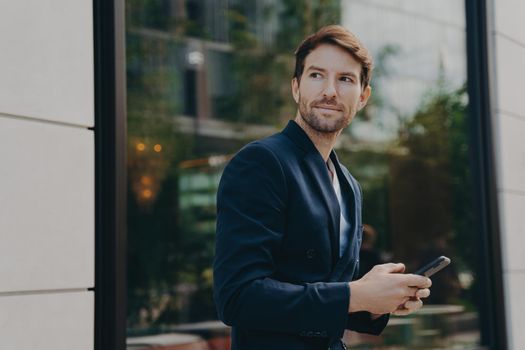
[
  {"x": 110, "y": 174},
  {"x": 493, "y": 321}
]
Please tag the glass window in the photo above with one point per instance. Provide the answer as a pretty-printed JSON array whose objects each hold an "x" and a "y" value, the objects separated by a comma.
[{"x": 206, "y": 77}]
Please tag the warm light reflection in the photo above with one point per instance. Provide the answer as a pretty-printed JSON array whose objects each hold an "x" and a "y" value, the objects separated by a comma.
[
  {"x": 157, "y": 148},
  {"x": 146, "y": 193},
  {"x": 145, "y": 180},
  {"x": 141, "y": 147}
]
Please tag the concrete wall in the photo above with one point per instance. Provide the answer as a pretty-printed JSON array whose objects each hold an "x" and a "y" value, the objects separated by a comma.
[
  {"x": 46, "y": 175},
  {"x": 507, "y": 42}
]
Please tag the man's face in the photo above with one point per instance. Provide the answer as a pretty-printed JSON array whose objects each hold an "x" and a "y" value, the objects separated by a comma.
[{"x": 330, "y": 92}]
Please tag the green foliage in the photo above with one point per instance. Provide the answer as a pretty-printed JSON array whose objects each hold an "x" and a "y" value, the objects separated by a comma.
[
  {"x": 436, "y": 168},
  {"x": 417, "y": 191},
  {"x": 170, "y": 248},
  {"x": 301, "y": 18},
  {"x": 261, "y": 72}
]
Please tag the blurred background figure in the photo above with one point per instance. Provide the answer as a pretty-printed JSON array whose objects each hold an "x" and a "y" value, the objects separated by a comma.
[{"x": 369, "y": 256}]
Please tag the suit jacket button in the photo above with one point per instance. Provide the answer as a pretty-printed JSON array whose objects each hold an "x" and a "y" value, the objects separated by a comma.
[{"x": 311, "y": 253}]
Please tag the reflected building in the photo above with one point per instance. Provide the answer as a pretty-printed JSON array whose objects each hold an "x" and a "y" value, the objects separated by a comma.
[
  {"x": 219, "y": 75},
  {"x": 419, "y": 47}
]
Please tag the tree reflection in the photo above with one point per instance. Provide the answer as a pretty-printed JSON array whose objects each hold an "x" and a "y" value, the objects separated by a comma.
[
  {"x": 417, "y": 188},
  {"x": 173, "y": 171}
]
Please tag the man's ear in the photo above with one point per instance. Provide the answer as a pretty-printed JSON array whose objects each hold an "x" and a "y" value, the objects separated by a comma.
[
  {"x": 295, "y": 90},
  {"x": 363, "y": 99}
]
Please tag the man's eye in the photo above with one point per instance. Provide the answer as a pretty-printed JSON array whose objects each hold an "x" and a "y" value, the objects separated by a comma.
[
  {"x": 315, "y": 75},
  {"x": 347, "y": 79}
]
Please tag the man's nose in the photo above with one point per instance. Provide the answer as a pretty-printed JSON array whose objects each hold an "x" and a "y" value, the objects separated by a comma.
[{"x": 329, "y": 89}]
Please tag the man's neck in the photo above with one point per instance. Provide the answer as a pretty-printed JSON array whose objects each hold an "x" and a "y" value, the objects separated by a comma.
[{"x": 324, "y": 142}]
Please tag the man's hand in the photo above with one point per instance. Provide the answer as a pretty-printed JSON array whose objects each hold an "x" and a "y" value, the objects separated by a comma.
[
  {"x": 413, "y": 304},
  {"x": 385, "y": 289}
]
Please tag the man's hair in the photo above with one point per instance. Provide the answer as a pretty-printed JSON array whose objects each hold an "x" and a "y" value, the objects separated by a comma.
[{"x": 338, "y": 36}]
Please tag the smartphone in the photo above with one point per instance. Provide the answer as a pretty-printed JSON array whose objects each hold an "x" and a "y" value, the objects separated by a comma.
[{"x": 433, "y": 267}]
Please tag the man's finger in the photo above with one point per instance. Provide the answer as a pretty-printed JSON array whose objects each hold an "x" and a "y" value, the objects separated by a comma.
[
  {"x": 423, "y": 293},
  {"x": 413, "y": 305},
  {"x": 418, "y": 281},
  {"x": 401, "y": 311},
  {"x": 391, "y": 268},
  {"x": 411, "y": 292}
]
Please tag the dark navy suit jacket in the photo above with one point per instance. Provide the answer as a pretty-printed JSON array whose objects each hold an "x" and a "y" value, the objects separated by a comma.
[{"x": 278, "y": 278}]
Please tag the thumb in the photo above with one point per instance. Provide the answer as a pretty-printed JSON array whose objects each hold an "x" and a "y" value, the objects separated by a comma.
[{"x": 392, "y": 268}]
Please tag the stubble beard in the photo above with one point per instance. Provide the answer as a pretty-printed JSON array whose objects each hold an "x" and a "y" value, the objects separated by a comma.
[{"x": 322, "y": 124}]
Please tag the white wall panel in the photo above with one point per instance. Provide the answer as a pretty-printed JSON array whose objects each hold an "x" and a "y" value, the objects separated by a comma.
[
  {"x": 508, "y": 16},
  {"x": 512, "y": 208},
  {"x": 47, "y": 321},
  {"x": 47, "y": 207},
  {"x": 46, "y": 60},
  {"x": 515, "y": 283},
  {"x": 511, "y": 152},
  {"x": 510, "y": 75}
]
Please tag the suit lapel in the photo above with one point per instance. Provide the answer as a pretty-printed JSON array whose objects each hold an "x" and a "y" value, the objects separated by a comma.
[
  {"x": 316, "y": 169},
  {"x": 350, "y": 195},
  {"x": 319, "y": 176}
]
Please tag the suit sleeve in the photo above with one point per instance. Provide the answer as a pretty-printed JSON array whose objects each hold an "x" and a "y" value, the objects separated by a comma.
[
  {"x": 362, "y": 322},
  {"x": 251, "y": 220}
]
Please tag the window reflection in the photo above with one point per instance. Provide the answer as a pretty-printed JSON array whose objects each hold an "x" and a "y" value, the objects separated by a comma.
[{"x": 206, "y": 77}]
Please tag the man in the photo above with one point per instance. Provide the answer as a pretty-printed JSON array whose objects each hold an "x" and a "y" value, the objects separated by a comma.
[{"x": 289, "y": 219}]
